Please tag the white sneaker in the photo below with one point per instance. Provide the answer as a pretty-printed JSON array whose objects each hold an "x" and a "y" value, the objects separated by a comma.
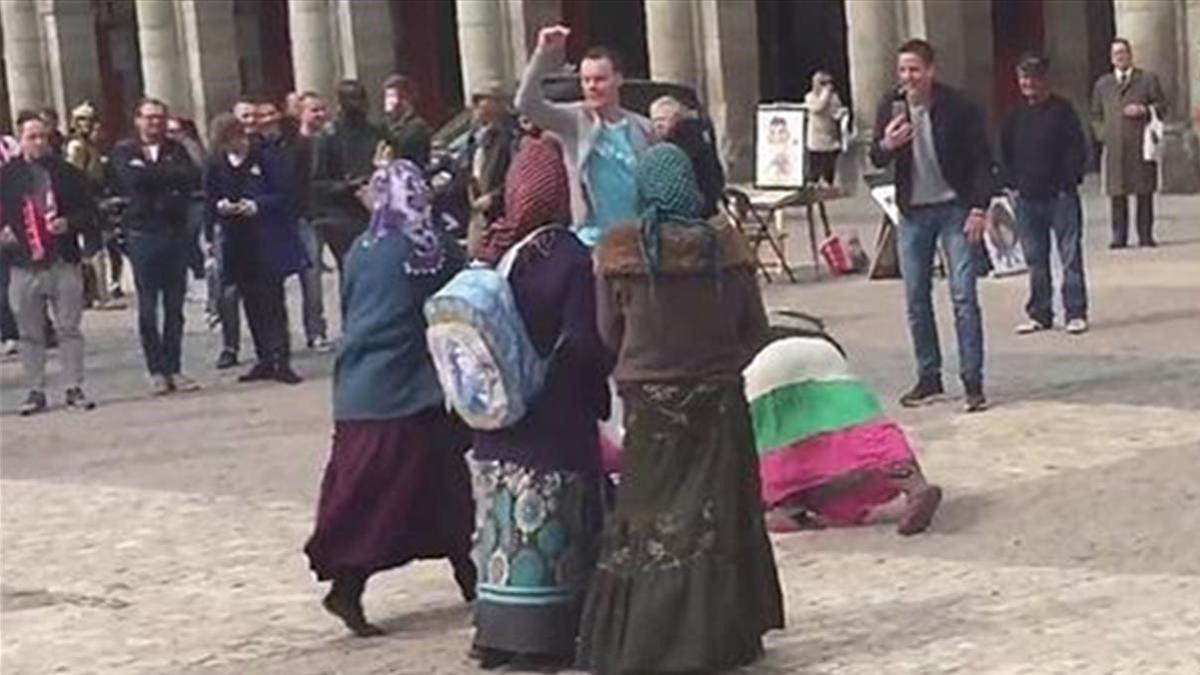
[
  {"x": 9, "y": 348},
  {"x": 320, "y": 345},
  {"x": 1031, "y": 326},
  {"x": 1077, "y": 326}
]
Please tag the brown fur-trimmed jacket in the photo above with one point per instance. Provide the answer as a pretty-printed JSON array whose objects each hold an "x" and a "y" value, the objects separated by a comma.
[{"x": 685, "y": 322}]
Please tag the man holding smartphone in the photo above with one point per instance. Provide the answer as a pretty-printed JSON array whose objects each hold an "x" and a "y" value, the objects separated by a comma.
[{"x": 934, "y": 137}]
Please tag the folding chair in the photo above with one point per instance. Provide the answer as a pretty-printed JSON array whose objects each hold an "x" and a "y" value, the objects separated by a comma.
[{"x": 757, "y": 230}]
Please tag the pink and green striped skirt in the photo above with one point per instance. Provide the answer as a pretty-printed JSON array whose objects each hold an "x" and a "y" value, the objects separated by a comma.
[{"x": 816, "y": 425}]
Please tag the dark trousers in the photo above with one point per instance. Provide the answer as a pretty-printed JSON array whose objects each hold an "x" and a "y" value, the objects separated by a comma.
[
  {"x": 8, "y": 321},
  {"x": 822, "y": 165},
  {"x": 1145, "y": 219},
  {"x": 1037, "y": 219},
  {"x": 228, "y": 308},
  {"x": 340, "y": 236},
  {"x": 266, "y": 312},
  {"x": 160, "y": 275}
]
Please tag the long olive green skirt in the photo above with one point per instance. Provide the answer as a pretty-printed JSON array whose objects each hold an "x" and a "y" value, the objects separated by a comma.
[{"x": 686, "y": 579}]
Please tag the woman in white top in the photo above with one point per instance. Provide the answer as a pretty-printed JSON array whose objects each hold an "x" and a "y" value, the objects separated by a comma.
[{"x": 824, "y": 138}]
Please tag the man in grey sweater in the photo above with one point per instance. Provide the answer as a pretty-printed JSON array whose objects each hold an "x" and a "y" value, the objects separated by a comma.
[{"x": 600, "y": 139}]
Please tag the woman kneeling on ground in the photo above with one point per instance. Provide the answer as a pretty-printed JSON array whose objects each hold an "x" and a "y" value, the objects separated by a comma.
[{"x": 828, "y": 455}]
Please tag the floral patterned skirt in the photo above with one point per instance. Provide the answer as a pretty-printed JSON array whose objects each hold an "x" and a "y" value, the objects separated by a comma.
[
  {"x": 535, "y": 544},
  {"x": 686, "y": 578}
]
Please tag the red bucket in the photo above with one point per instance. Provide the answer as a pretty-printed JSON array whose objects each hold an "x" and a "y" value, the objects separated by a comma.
[{"x": 834, "y": 253}]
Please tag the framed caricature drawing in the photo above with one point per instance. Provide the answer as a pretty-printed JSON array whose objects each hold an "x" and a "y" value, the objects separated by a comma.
[{"x": 780, "y": 159}]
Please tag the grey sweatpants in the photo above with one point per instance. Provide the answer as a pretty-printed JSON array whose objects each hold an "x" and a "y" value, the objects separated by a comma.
[{"x": 29, "y": 292}]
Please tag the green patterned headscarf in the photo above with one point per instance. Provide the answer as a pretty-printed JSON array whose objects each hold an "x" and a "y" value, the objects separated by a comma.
[{"x": 668, "y": 194}]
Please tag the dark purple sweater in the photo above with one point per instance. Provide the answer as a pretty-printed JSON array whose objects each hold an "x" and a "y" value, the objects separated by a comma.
[{"x": 554, "y": 288}]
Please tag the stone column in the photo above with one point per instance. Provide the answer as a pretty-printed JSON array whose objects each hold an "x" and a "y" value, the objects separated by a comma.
[
  {"x": 1192, "y": 10},
  {"x": 365, "y": 40},
  {"x": 313, "y": 56},
  {"x": 25, "y": 68},
  {"x": 729, "y": 41},
  {"x": 162, "y": 63},
  {"x": 525, "y": 18},
  {"x": 482, "y": 43},
  {"x": 873, "y": 35},
  {"x": 210, "y": 39},
  {"x": 71, "y": 51},
  {"x": 671, "y": 41}
]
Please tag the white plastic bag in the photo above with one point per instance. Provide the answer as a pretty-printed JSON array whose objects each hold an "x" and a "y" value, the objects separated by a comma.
[{"x": 1152, "y": 136}]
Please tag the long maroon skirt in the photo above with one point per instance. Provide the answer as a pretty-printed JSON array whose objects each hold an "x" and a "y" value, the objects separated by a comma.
[{"x": 394, "y": 491}]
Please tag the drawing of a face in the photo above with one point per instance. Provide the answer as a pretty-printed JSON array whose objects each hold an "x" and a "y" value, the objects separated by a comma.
[{"x": 777, "y": 132}]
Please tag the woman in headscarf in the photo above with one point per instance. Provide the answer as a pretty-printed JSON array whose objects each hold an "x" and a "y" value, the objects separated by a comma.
[
  {"x": 828, "y": 454},
  {"x": 537, "y": 483},
  {"x": 396, "y": 487},
  {"x": 686, "y": 579}
]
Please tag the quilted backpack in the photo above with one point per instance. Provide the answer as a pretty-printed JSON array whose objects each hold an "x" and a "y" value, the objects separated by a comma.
[{"x": 487, "y": 365}]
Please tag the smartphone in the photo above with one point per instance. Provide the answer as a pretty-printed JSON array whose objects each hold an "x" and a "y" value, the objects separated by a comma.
[{"x": 900, "y": 109}]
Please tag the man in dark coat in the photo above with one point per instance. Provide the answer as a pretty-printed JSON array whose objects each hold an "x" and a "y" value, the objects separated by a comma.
[
  {"x": 344, "y": 160},
  {"x": 45, "y": 205},
  {"x": 158, "y": 177},
  {"x": 1122, "y": 104},
  {"x": 484, "y": 163}
]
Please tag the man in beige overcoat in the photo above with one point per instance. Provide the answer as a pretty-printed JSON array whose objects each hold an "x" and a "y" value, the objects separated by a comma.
[{"x": 1121, "y": 105}]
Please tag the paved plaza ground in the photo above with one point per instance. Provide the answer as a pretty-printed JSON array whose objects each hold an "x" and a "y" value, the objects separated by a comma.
[{"x": 163, "y": 536}]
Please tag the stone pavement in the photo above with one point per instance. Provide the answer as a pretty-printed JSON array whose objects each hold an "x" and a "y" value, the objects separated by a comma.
[{"x": 163, "y": 535}]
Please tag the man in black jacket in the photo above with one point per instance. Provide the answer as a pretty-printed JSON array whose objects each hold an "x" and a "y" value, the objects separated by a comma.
[
  {"x": 935, "y": 138},
  {"x": 46, "y": 205},
  {"x": 343, "y": 163},
  {"x": 1043, "y": 153},
  {"x": 158, "y": 176}
]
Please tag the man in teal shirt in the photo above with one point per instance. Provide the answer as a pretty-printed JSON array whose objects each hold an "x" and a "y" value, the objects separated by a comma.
[{"x": 600, "y": 139}]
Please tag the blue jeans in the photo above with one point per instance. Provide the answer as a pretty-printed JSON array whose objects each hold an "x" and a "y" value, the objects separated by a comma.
[
  {"x": 160, "y": 267},
  {"x": 918, "y": 236},
  {"x": 1036, "y": 219}
]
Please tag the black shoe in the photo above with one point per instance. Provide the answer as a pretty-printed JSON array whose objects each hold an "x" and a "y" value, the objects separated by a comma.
[
  {"x": 927, "y": 389},
  {"x": 491, "y": 659},
  {"x": 1149, "y": 243},
  {"x": 77, "y": 399},
  {"x": 34, "y": 403},
  {"x": 976, "y": 401},
  {"x": 286, "y": 375},
  {"x": 1117, "y": 245},
  {"x": 347, "y": 606},
  {"x": 260, "y": 371},
  {"x": 466, "y": 577},
  {"x": 227, "y": 359}
]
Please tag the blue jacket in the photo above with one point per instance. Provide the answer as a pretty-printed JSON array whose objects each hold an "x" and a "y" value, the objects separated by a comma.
[
  {"x": 383, "y": 369},
  {"x": 266, "y": 243}
]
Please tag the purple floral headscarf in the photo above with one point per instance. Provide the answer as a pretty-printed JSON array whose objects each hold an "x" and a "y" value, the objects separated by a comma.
[{"x": 402, "y": 202}]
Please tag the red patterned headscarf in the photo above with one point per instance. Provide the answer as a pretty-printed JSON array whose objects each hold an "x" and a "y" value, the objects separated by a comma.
[{"x": 536, "y": 193}]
